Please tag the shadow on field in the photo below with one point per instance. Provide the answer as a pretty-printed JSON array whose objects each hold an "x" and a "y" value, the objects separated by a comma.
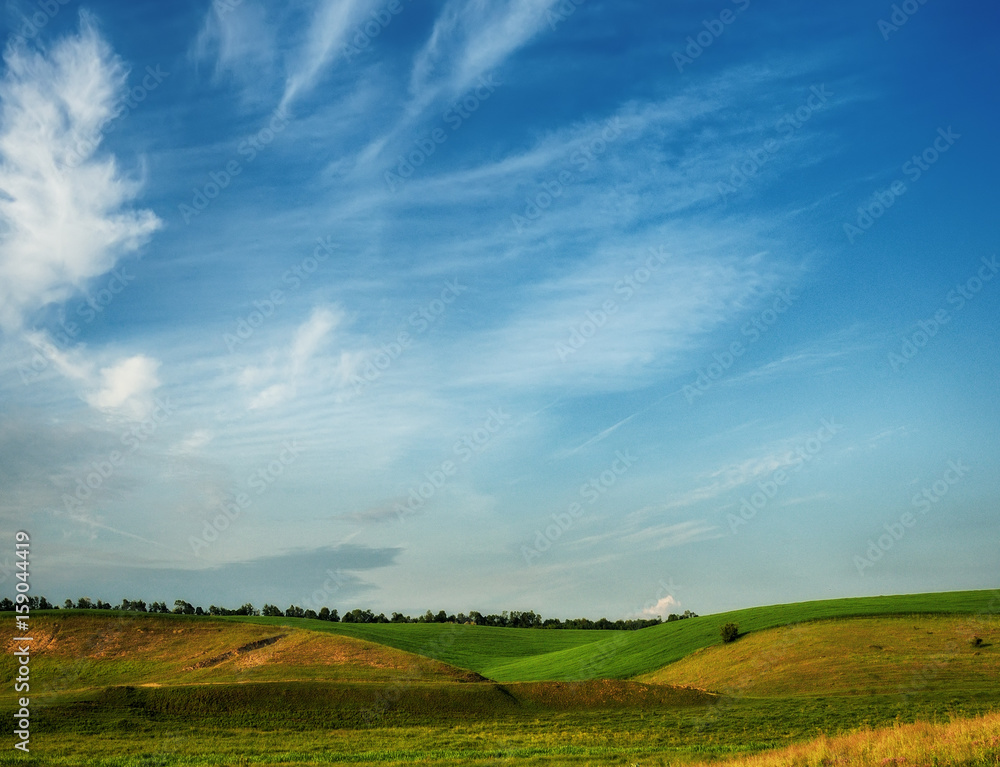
[{"x": 304, "y": 705}]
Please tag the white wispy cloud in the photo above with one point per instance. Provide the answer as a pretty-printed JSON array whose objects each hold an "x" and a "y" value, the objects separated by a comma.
[
  {"x": 638, "y": 532},
  {"x": 193, "y": 442},
  {"x": 68, "y": 363},
  {"x": 65, "y": 211},
  {"x": 720, "y": 481},
  {"x": 665, "y": 536},
  {"x": 553, "y": 341},
  {"x": 663, "y": 607},
  {"x": 469, "y": 39},
  {"x": 332, "y": 22},
  {"x": 791, "y": 364},
  {"x": 281, "y": 375},
  {"x": 124, "y": 388},
  {"x": 823, "y": 355},
  {"x": 311, "y": 335},
  {"x": 127, "y": 387},
  {"x": 260, "y": 45},
  {"x": 811, "y": 499},
  {"x": 603, "y": 434},
  {"x": 238, "y": 39}
]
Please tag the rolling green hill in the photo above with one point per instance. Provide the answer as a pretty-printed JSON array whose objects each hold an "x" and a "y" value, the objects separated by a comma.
[
  {"x": 134, "y": 690},
  {"x": 531, "y": 655},
  {"x": 84, "y": 649},
  {"x": 466, "y": 646},
  {"x": 167, "y": 649},
  {"x": 630, "y": 654},
  {"x": 848, "y": 657}
]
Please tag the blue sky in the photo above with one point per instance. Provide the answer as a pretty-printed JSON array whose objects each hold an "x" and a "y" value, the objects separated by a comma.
[{"x": 583, "y": 307}]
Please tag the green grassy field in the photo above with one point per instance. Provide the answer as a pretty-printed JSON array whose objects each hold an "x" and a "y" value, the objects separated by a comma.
[
  {"x": 94, "y": 648},
  {"x": 126, "y": 690},
  {"x": 539, "y": 654},
  {"x": 327, "y": 723},
  {"x": 477, "y": 648},
  {"x": 848, "y": 658}
]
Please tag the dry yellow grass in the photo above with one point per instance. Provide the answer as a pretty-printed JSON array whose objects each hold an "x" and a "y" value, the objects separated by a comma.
[
  {"x": 961, "y": 743},
  {"x": 857, "y": 656}
]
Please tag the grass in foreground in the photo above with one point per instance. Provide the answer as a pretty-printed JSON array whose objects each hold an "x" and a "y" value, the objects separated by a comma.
[
  {"x": 961, "y": 743},
  {"x": 243, "y": 710},
  {"x": 302, "y": 723}
]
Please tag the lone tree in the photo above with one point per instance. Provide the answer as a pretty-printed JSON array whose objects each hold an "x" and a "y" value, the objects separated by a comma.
[{"x": 730, "y": 632}]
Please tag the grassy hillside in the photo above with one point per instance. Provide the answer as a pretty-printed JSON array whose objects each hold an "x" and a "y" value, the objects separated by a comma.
[
  {"x": 630, "y": 654},
  {"x": 119, "y": 690},
  {"x": 537, "y": 654},
  {"x": 91, "y": 648},
  {"x": 109, "y": 647},
  {"x": 848, "y": 657},
  {"x": 509, "y": 655},
  {"x": 469, "y": 647}
]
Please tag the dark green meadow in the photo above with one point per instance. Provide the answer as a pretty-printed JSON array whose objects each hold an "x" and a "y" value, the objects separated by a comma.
[
  {"x": 132, "y": 690},
  {"x": 479, "y": 723}
]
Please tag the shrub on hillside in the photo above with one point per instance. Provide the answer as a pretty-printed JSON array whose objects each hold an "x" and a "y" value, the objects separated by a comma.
[{"x": 730, "y": 632}]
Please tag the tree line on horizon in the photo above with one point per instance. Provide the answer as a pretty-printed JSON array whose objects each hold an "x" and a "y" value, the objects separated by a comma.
[{"x": 507, "y": 619}]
